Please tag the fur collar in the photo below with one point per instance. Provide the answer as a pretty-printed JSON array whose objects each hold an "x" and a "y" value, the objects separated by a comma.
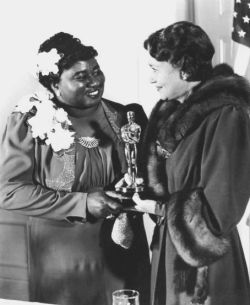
[{"x": 172, "y": 121}]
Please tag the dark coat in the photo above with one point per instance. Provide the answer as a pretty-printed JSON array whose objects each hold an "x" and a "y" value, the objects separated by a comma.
[
  {"x": 198, "y": 167},
  {"x": 71, "y": 263}
]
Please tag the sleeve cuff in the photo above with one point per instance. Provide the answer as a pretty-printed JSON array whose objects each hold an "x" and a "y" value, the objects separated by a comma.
[
  {"x": 194, "y": 241},
  {"x": 76, "y": 220},
  {"x": 79, "y": 213}
]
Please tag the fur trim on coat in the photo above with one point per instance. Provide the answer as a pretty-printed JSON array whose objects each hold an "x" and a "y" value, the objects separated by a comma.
[{"x": 189, "y": 232}]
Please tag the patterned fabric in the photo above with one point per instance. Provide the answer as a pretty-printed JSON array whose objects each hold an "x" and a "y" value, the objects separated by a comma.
[
  {"x": 66, "y": 177},
  {"x": 241, "y": 18}
]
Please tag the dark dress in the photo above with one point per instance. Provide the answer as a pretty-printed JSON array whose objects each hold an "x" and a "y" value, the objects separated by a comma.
[
  {"x": 198, "y": 165},
  {"x": 73, "y": 259}
]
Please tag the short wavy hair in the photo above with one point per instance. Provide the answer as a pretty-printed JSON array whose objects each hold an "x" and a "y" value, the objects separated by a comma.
[
  {"x": 70, "y": 49},
  {"x": 186, "y": 46}
]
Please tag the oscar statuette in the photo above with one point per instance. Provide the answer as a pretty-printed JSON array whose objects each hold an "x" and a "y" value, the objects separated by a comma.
[{"x": 130, "y": 134}]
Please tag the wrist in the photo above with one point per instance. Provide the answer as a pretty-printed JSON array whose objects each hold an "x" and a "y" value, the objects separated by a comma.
[{"x": 160, "y": 208}]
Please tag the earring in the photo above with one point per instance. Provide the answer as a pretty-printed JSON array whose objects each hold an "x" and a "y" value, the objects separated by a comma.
[
  {"x": 184, "y": 75},
  {"x": 58, "y": 93}
]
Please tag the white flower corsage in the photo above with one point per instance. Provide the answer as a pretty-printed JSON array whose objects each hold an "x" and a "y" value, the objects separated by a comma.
[
  {"x": 49, "y": 123},
  {"x": 47, "y": 62}
]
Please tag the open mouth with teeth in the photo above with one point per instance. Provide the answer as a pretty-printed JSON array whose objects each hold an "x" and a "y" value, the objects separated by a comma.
[{"x": 94, "y": 94}]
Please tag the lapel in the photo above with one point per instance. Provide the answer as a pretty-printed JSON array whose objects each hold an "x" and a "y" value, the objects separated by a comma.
[{"x": 117, "y": 120}]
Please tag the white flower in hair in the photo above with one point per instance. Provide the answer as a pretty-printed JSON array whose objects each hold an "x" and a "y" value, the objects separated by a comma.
[
  {"x": 49, "y": 122},
  {"x": 47, "y": 62}
]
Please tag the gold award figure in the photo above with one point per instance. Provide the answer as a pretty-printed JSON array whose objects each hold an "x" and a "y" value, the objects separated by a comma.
[{"x": 130, "y": 134}]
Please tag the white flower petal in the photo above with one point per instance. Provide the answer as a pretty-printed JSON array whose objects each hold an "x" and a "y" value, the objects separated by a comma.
[
  {"x": 49, "y": 123},
  {"x": 61, "y": 116},
  {"x": 47, "y": 62},
  {"x": 25, "y": 104}
]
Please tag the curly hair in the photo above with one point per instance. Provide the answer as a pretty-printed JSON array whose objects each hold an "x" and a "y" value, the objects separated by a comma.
[
  {"x": 186, "y": 46},
  {"x": 70, "y": 49}
]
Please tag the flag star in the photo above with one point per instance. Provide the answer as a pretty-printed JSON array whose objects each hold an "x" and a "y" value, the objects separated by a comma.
[
  {"x": 238, "y": 1},
  {"x": 241, "y": 33},
  {"x": 246, "y": 19},
  {"x": 235, "y": 14}
]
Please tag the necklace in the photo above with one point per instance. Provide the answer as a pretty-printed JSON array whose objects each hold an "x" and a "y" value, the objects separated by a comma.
[{"x": 88, "y": 142}]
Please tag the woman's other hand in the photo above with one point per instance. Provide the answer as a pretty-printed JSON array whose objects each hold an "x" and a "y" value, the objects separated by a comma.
[
  {"x": 146, "y": 206},
  {"x": 99, "y": 205}
]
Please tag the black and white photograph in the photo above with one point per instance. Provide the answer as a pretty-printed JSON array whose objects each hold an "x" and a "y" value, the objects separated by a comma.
[{"x": 125, "y": 152}]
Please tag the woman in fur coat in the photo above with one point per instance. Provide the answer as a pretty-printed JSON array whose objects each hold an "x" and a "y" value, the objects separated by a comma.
[{"x": 198, "y": 171}]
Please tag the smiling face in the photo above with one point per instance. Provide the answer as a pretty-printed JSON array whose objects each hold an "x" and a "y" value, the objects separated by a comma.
[
  {"x": 82, "y": 85},
  {"x": 166, "y": 79}
]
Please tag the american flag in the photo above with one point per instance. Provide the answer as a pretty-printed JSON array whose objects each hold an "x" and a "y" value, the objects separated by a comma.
[{"x": 241, "y": 22}]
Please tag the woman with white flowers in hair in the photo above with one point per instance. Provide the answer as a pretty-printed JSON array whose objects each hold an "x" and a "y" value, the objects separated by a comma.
[{"x": 61, "y": 149}]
